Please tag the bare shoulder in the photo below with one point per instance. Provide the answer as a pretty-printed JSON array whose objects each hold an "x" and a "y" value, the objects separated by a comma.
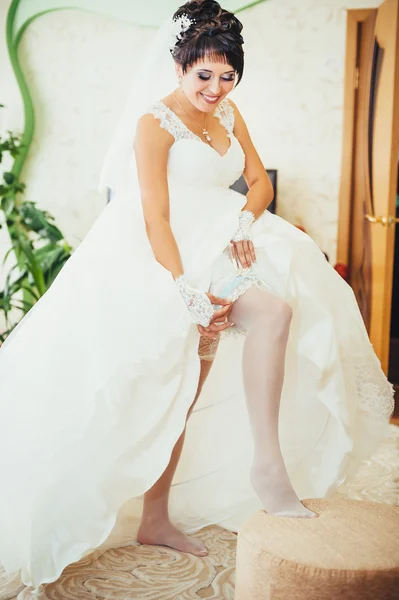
[
  {"x": 240, "y": 128},
  {"x": 151, "y": 135},
  {"x": 232, "y": 103},
  {"x": 151, "y": 148}
]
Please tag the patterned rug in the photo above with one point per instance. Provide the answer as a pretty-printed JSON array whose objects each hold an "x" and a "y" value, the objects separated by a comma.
[{"x": 158, "y": 573}]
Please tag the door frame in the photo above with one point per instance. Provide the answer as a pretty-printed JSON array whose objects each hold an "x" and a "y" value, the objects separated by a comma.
[{"x": 382, "y": 235}]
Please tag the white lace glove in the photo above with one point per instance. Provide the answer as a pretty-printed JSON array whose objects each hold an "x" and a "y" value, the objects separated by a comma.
[
  {"x": 245, "y": 221},
  {"x": 197, "y": 302}
]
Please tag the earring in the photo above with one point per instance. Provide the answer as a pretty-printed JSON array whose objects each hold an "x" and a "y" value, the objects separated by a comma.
[{"x": 179, "y": 78}]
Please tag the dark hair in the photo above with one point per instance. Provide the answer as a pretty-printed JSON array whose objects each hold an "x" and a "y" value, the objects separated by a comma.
[{"x": 216, "y": 33}]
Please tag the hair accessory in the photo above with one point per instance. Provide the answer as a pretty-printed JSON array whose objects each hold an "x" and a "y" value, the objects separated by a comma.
[{"x": 181, "y": 24}]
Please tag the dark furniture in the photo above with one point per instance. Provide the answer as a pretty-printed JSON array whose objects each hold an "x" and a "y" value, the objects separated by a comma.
[{"x": 241, "y": 187}]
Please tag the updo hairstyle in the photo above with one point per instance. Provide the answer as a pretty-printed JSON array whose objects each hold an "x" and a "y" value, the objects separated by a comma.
[{"x": 214, "y": 34}]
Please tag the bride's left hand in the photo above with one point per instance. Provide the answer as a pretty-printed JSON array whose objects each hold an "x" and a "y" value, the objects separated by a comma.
[
  {"x": 220, "y": 319},
  {"x": 243, "y": 253}
]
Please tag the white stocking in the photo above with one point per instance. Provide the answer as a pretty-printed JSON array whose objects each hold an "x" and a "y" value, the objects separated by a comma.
[{"x": 266, "y": 318}]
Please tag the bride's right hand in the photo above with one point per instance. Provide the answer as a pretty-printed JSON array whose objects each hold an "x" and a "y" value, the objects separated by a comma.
[{"x": 219, "y": 321}]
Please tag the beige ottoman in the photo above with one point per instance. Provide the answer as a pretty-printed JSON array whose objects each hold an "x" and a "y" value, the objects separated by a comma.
[{"x": 350, "y": 552}]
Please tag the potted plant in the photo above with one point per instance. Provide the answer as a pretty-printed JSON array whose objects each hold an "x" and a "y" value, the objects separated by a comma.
[{"x": 37, "y": 244}]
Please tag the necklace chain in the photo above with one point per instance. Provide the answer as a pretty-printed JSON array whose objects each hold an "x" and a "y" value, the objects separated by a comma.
[{"x": 204, "y": 130}]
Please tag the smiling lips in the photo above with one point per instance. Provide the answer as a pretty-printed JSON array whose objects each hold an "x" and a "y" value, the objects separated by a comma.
[{"x": 210, "y": 99}]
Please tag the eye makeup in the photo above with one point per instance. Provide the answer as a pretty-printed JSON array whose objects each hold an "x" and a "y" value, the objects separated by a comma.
[{"x": 204, "y": 78}]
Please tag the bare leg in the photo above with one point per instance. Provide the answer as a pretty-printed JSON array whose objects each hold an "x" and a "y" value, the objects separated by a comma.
[
  {"x": 155, "y": 527},
  {"x": 267, "y": 320}
]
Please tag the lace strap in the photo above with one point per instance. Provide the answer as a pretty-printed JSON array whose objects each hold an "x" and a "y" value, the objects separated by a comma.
[
  {"x": 225, "y": 112},
  {"x": 171, "y": 122},
  {"x": 168, "y": 120}
]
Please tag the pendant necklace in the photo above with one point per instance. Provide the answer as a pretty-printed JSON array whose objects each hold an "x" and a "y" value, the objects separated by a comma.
[{"x": 204, "y": 131}]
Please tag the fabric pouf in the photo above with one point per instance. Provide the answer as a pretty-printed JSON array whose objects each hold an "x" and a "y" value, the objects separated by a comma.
[{"x": 350, "y": 552}]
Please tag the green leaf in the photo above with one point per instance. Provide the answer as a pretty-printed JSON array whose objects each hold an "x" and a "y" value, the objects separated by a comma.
[
  {"x": 5, "y": 334},
  {"x": 7, "y": 205},
  {"x": 7, "y": 254},
  {"x": 14, "y": 286},
  {"x": 22, "y": 305},
  {"x": 56, "y": 268},
  {"x": 30, "y": 291},
  {"x": 28, "y": 227},
  {"x": 32, "y": 265},
  {"x": 9, "y": 177},
  {"x": 52, "y": 258},
  {"x": 48, "y": 255},
  {"x": 38, "y": 220}
]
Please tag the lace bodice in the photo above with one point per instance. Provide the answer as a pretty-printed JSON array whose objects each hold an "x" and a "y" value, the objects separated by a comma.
[
  {"x": 204, "y": 211},
  {"x": 199, "y": 162},
  {"x": 172, "y": 123}
]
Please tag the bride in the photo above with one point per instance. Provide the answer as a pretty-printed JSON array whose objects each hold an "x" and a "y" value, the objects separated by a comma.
[{"x": 185, "y": 299}]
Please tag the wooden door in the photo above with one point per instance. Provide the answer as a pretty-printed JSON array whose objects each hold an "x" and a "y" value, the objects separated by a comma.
[{"x": 370, "y": 163}]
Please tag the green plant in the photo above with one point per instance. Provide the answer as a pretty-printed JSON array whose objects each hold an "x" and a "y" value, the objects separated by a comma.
[{"x": 37, "y": 243}]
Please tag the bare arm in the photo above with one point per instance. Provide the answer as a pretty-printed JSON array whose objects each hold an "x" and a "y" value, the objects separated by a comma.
[
  {"x": 151, "y": 148},
  {"x": 260, "y": 192}
]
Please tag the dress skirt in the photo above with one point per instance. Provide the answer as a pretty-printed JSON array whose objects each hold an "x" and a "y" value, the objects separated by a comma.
[{"x": 97, "y": 379}]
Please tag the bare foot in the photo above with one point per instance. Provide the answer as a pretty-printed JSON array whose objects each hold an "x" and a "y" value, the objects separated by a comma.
[
  {"x": 163, "y": 533},
  {"x": 272, "y": 485}
]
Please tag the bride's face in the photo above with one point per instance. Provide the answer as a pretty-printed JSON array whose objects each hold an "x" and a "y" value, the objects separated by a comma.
[{"x": 207, "y": 83}]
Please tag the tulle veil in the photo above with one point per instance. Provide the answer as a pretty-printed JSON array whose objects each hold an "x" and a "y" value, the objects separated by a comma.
[{"x": 156, "y": 77}]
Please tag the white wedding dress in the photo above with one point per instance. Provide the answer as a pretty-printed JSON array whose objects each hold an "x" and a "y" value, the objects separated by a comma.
[{"x": 96, "y": 380}]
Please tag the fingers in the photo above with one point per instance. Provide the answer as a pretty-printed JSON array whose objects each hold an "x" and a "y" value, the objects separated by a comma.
[
  {"x": 243, "y": 253},
  {"x": 252, "y": 251},
  {"x": 212, "y": 330},
  {"x": 247, "y": 253},
  {"x": 215, "y": 327},
  {"x": 234, "y": 255},
  {"x": 220, "y": 314},
  {"x": 207, "y": 334},
  {"x": 217, "y": 300},
  {"x": 218, "y": 324}
]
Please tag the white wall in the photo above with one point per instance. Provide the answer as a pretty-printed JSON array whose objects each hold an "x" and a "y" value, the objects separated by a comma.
[{"x": 78, "y": 63}]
